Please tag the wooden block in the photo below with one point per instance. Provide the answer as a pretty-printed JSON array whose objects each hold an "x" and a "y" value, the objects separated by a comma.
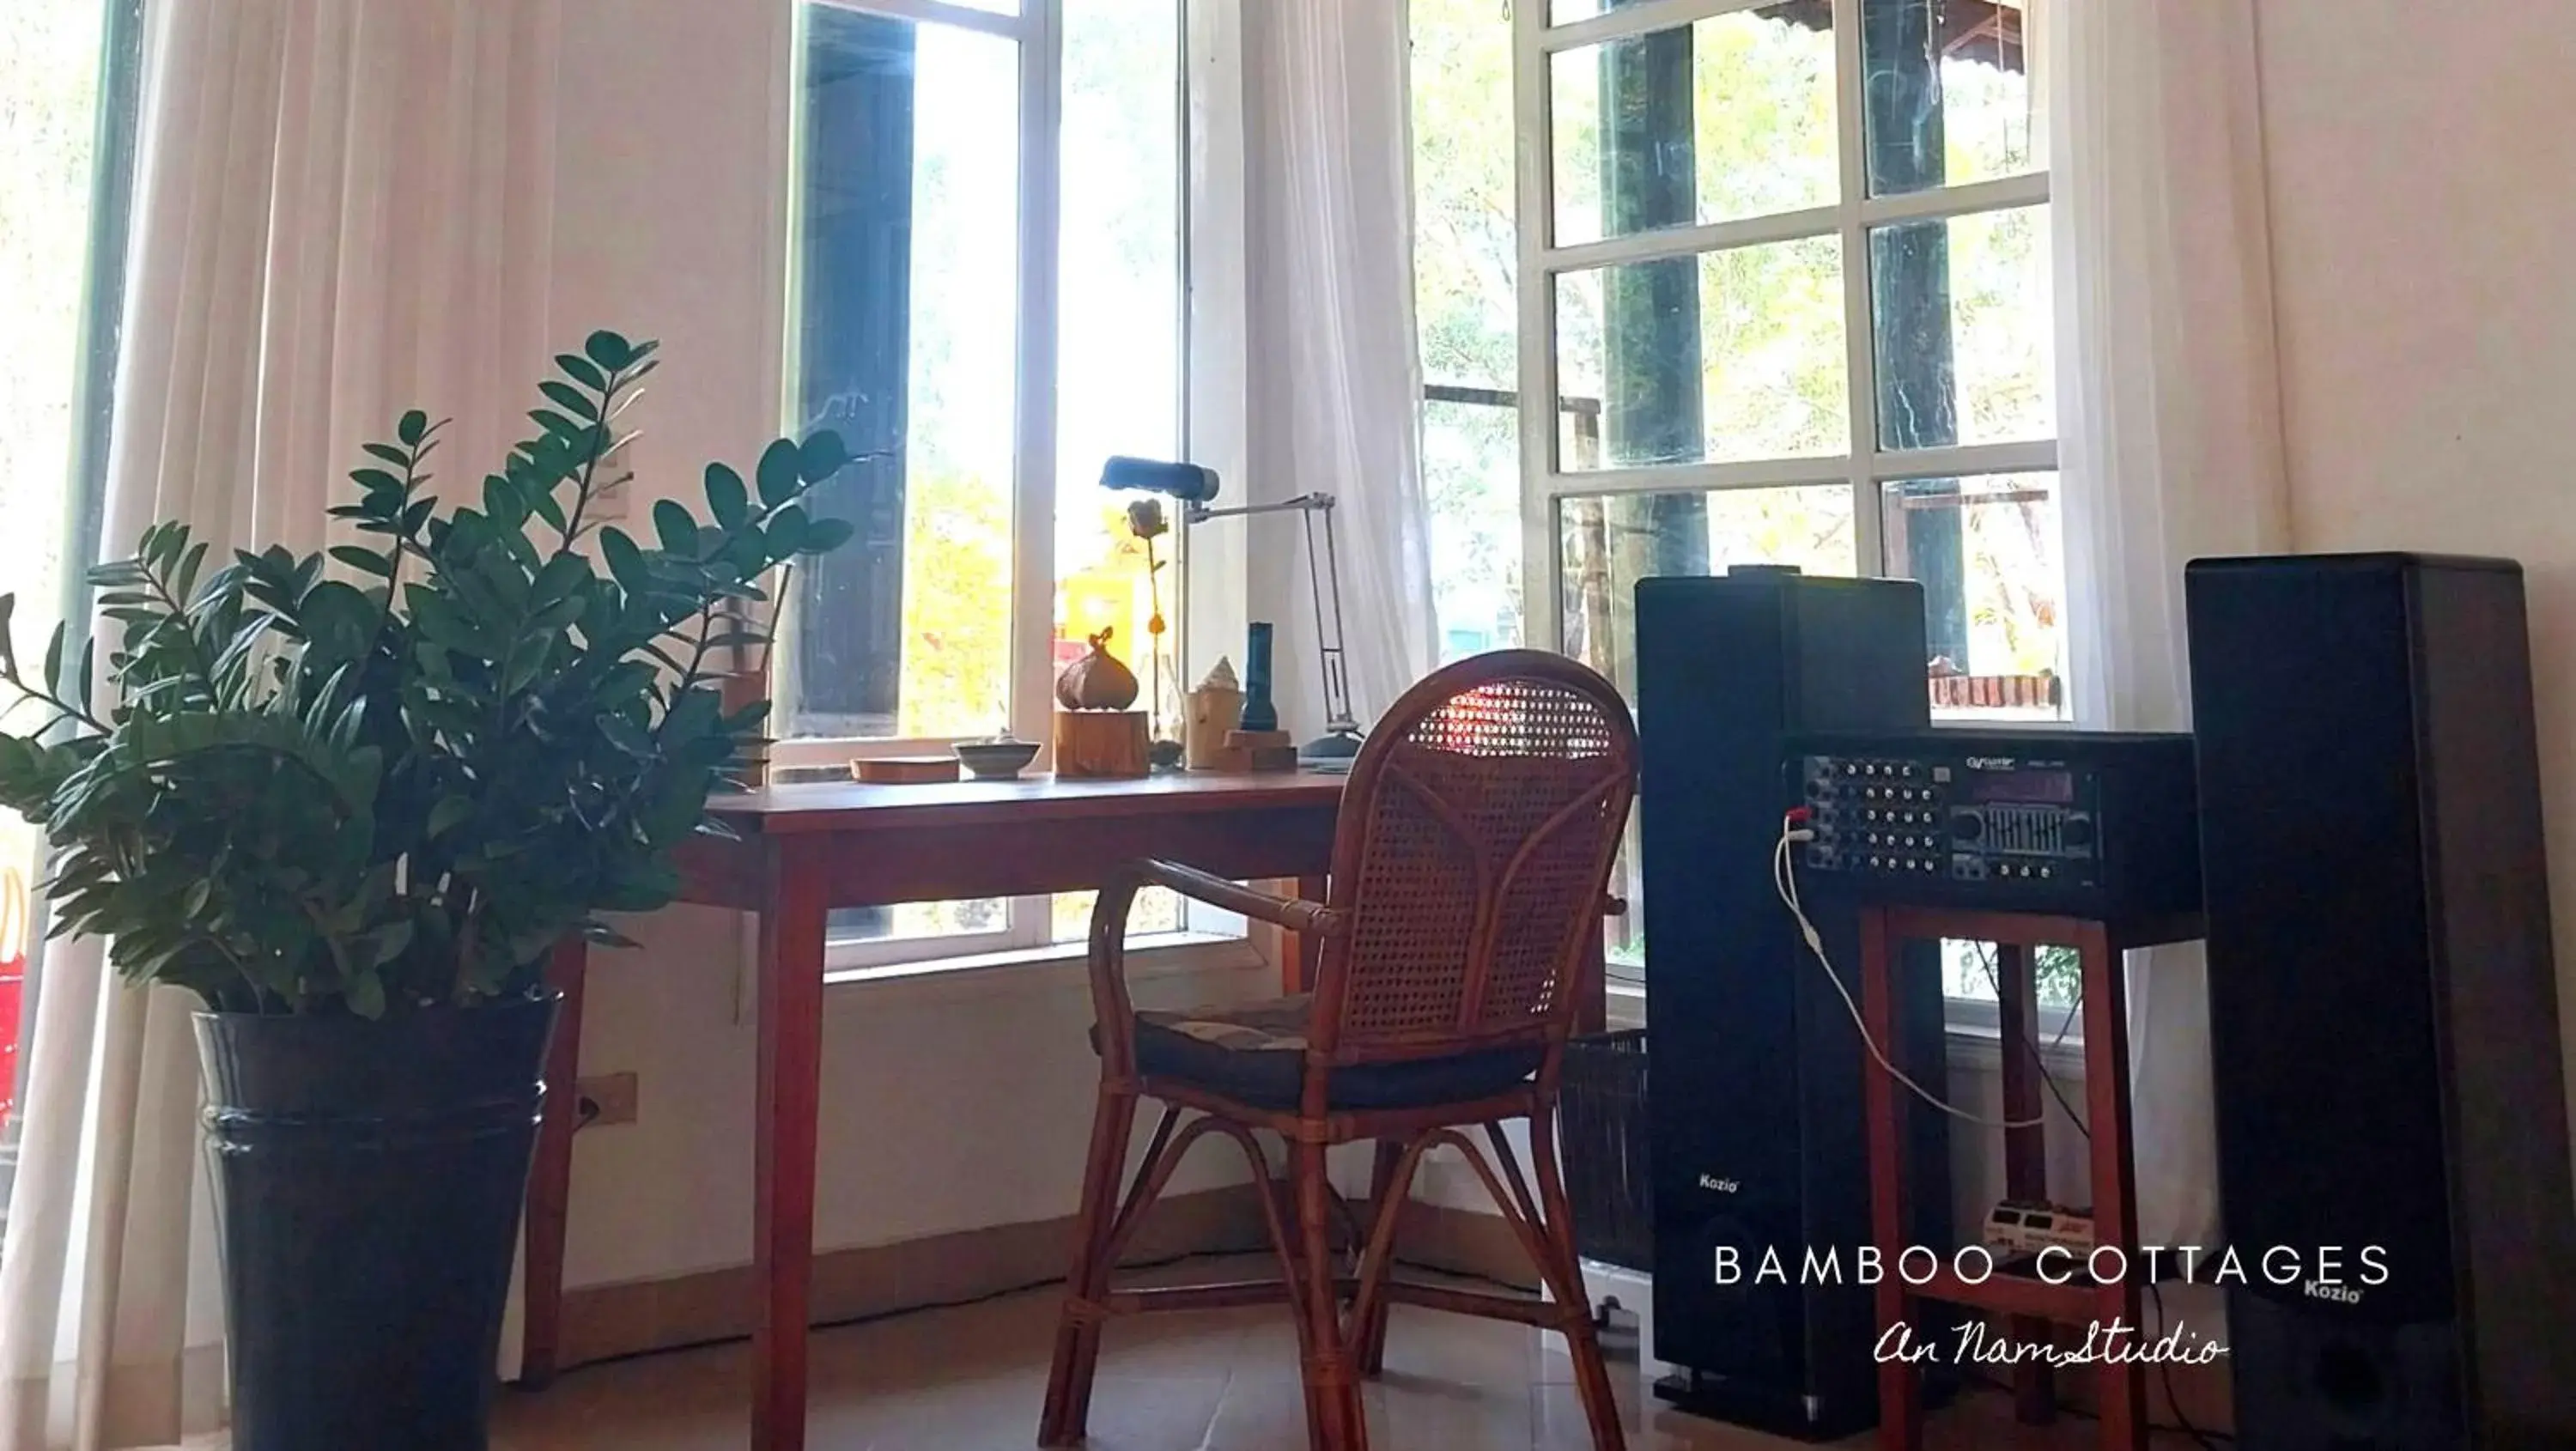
[
  {"x": 1102, "y": 743},
  {"x": 1255, "y": 740},
  {"x": 1272, "y": 758},
  {"x": 904, "y": 770}
]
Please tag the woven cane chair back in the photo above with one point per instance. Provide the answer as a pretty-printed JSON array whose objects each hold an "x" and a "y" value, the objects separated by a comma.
[{"x": 1475, "y": 843}]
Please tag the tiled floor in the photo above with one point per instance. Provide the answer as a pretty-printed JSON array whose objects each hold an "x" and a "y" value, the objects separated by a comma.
[{"x": 970, "y": 1379}]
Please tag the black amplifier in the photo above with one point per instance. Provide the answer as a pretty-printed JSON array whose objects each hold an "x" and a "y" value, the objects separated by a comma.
[{"x": 2093, "y": 824}]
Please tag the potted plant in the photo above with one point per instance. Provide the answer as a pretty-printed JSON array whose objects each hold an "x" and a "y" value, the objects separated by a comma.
[{"x": 353, "y": 810}]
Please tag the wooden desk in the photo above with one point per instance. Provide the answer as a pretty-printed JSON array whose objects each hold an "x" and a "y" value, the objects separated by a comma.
[{"x": 804, "y": 850}]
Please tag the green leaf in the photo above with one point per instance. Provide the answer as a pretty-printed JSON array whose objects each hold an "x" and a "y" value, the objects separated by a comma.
[
  {"x": 726, "y": 498},
  {"x": 679, "y": 532},
  {"x": 54, "y": 659},
  {"x": 625, "y": 561},
  {"x": 822, "y": 456},
  {"x": 825, "y": 535},
  {"x": 388, "y": 453},
  {"x": 787, "y": 530},
  {"x": 580, "y": 370},
  {"x": 448, "y": 814},
  {"x": 570, "y": 399},
  {"x": 780, "y": 473},
  {"x": 364, "y": 560},
  {"x": 608, "y": 350},
  {"x": 376, "y": 481},
  {"x": 627, "y": 736},
  {"x": 413, "y": 428},
  {"x": 367, "y": 994}
]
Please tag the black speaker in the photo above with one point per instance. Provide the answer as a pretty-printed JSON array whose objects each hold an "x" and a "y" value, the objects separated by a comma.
[
  {"x": 1754, "y": 1098},
  {"x": 2383, "y": 1014}
]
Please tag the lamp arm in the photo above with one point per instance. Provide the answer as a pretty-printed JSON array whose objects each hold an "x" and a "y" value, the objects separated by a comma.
[
  {"x": 1197, "y": 513},
  {"x": 1324, "y": 579}
]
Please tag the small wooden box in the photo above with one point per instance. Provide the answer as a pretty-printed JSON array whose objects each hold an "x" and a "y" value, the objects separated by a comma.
[
  {"x": 1260, "y": 751},
  {"x": 1102, "y": 743}
]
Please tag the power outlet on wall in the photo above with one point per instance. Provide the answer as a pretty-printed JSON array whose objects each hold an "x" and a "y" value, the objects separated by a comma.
[{"x": 607, "y": 1099}]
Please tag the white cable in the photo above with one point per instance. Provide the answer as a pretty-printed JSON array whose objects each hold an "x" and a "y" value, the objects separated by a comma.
[{"x": 1784, "y": 878}]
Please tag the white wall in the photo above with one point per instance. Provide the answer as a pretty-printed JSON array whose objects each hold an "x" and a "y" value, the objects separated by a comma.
[
  {"x": 946, "y": 1107},
  {"x": 2424, "y": 223}
]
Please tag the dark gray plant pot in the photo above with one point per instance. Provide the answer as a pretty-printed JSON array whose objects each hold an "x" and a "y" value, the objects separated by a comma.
[{"x": 370, "y": 1177}]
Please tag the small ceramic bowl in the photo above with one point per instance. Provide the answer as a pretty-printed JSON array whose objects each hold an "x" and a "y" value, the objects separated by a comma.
[{"x": 995, "y": 760}]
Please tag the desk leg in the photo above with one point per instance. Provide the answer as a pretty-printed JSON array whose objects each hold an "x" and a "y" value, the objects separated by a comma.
[
  {"x": 550, "y": 1177},
  {"x": 1900, "y": 1395},
  {"x": 790, "y": 1091},
  {"x": 1302, "y": 950},
  {"x": 2122, "y": 1387}
]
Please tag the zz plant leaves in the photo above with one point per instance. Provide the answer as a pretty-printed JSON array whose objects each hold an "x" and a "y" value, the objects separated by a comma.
[{"x": 394, "y": 785}]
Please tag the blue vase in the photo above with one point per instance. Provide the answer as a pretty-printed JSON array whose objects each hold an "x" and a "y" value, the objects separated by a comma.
[{"x": 1259, "y": 714}]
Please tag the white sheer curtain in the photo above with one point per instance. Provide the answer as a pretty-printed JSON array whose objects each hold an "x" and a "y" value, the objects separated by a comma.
[
  {"x": 341, "y": 210},
  {"x": 2170, "y": 437},
  {"x": 1334, "y": 381}
]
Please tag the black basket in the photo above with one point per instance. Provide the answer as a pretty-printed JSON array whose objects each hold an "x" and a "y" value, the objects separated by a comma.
[{"x": 1602, "y": 1123}]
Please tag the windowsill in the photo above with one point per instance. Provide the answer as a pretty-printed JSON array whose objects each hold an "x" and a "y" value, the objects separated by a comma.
[
  {"x": 1980, "y": 1047},
  {"x": 1061, "y": 965}
]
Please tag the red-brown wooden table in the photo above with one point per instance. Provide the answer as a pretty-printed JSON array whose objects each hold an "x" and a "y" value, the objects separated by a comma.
[
  {"x": 2032, "y": 1304},
  {"x": 801, "y": 851}
]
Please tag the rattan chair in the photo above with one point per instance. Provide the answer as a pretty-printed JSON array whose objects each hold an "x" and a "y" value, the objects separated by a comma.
[{"x": 1466, "y": 898}]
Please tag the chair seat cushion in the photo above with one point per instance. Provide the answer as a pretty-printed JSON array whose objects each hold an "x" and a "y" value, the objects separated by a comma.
[{"x": 1255, "y": 1053}]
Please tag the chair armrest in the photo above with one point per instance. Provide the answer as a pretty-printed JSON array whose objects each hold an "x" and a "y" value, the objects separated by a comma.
[
  {"x": 1110, "y": 1005},
  {"x": 1290, "y": 912}
]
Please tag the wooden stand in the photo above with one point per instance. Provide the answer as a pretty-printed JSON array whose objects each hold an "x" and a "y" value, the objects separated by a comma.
[
  {"x": 2033, "y": 1304},
  {"x": 1102, "y": 743}
]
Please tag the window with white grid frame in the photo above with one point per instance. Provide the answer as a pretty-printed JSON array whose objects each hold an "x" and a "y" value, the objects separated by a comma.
[
  {"x": 1783, "y": 292},
  {"x": 986, "y": 290}
]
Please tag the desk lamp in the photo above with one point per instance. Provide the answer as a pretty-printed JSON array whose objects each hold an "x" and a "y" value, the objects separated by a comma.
[{"x": 1191, "y": 486}]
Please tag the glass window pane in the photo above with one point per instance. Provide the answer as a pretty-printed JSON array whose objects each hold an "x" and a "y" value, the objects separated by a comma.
[
  {"x": 1966, "y": 341},
  {"x": 907, "y": 343},
  {"x": 1731, "y": 117},
  {"x": 1466, "y": 251},
  {"x": 1118, "y": 347},
  {"x": 1990, "y": 555},
  {"x": 1471, "y": 474},
  {"x": 1727, "y": 118},
  {"x": 979, "y": 915},
  {"x": 1118, "y": 387},
  {"x": 1609, "y": 542},
  {"x": 1157, "y": 909},
  {"x": 1971, "y": 970},
  {"x": 49, "y": 74},
  {"x": 1464, "y": 267},
  {"x": 1730, "y": 355},
  {"x": 1950, "y": 98}
]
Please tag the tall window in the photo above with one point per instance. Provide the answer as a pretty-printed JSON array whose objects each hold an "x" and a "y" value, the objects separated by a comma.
[
  {"x": 1780, "y": 295},
  {"x": 69, "y": 75},
  {"x": 987, "y": 304}
]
